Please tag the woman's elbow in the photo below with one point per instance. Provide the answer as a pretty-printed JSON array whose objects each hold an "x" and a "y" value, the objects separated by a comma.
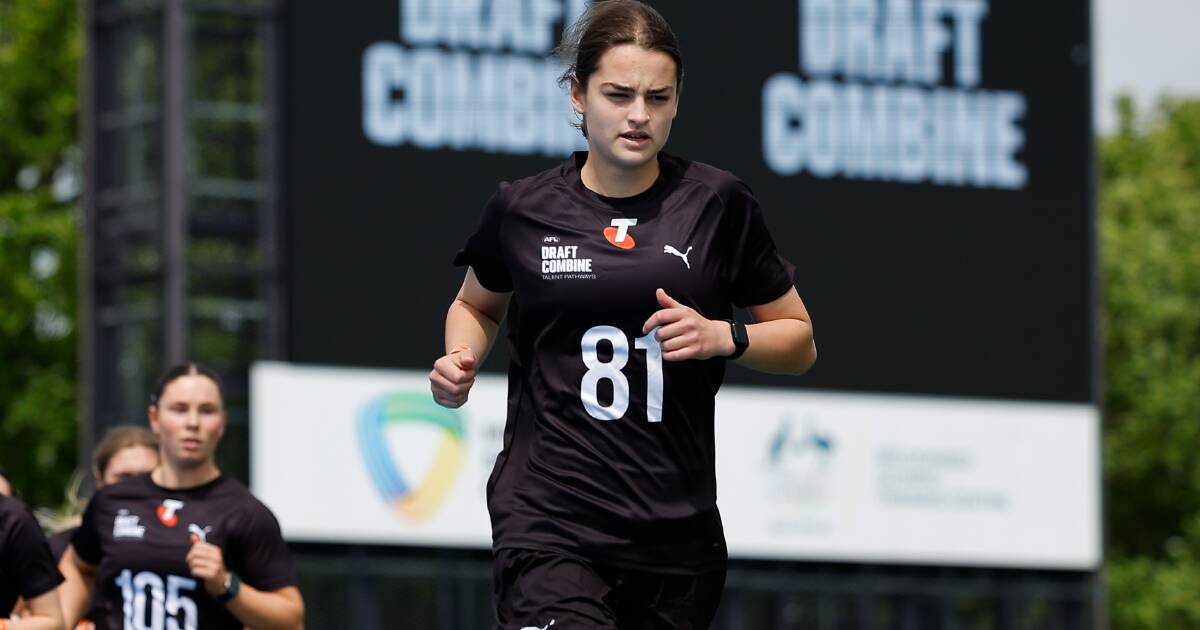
[{"x": 806, "y": 352}]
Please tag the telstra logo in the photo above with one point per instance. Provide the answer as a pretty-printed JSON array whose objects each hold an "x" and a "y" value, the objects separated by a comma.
[{"x": 420, "y": 498}]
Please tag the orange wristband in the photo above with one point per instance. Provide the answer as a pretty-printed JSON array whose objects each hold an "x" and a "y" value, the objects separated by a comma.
[
  {"x": 455, "y": 350},
  {"x": 3, "y": 624}
]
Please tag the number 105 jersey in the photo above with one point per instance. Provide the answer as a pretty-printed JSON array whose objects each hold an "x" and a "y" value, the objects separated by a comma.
[
  {"x": 608, "y": 449},
  {"x": 138, "y": 535}
]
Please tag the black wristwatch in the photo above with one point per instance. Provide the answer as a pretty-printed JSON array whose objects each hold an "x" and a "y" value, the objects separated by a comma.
[
  {"x": 741, "y": 340},
  {"x": 232, "y": 584}
]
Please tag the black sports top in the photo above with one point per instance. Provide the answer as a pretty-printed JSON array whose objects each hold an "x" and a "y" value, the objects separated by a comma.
[
  {"x": 26, "y": 567},
  {"x": 608, "y": 450},
  {"x": 139, "y": 535}
]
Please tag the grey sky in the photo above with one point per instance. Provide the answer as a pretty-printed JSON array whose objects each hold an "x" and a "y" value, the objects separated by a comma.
[{"x": 1146, "y": 48}]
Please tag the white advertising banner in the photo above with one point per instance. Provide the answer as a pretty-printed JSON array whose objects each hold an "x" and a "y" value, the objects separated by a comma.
[{"x": 365, "y": 456}]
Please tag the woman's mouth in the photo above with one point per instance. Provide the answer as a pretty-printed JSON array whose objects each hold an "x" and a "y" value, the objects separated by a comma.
[{"x": 635, "y": 139}]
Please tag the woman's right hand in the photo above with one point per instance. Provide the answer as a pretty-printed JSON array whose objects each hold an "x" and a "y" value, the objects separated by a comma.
[{"x": 452, "y": 378}]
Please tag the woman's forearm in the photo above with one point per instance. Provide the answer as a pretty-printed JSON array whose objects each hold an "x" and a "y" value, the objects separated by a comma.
[
  {"x": 76, "y": 592},
  {"x": 268, "y": 610},
  {"x": 471, "y": 327},
  {"x": 780, "y": 346},
  {"x": 44, "y": 613}
]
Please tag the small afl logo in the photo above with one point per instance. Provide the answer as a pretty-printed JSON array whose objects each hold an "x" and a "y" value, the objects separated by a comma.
[{"x": 550, "y": 239}]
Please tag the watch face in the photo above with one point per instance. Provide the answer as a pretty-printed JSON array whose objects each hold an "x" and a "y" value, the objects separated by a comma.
[{"x": 740, "y": 337}]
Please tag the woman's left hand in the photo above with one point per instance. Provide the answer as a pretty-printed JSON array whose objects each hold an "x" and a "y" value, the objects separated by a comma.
[
  {"x": 206, "y": 562},
  {"x": 685, "y": 334}
]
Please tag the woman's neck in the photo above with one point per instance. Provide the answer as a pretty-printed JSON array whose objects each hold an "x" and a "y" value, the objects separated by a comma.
[
  {"x": 174, "y": 478},
  {"x": 613, "y": 181}
]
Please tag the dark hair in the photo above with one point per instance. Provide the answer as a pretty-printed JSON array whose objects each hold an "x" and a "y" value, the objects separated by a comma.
[
  {"x": 608, "y": 24},
  {"x": 183, "y": 369},
  {"x": 118, "y": 439}
]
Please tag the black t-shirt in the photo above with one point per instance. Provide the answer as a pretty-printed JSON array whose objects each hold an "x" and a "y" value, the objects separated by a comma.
[
  {"x": 608, "y": 450},
  {"x": 138, "y": 534},
  {"x": 26, "y": 567},
  {"x": 58, "y": 542}
]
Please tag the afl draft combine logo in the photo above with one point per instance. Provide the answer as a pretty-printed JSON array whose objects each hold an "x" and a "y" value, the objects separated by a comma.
[{"x": 416, "y": 499}]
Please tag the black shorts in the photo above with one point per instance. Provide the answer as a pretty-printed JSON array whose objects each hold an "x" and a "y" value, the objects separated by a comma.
[{"x": 542, "y": 590}]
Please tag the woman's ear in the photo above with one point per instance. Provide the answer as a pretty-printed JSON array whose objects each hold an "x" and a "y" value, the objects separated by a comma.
[{"x": 578, "y": 97}]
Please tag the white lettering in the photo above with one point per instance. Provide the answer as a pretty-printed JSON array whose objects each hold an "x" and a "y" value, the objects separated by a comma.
[
  {"x": 822, "y": 110},
  {"x": 544, "y": 14},
  {"x": 819, "y": 37},
  {"x": 437, "y": 99},
  {"x": 867, "y": 135},
  {"x": 521, "y": 122},
  {"x": 527, "y": 26},
  {"x": 904, "y": 133},
  {"x": 934, "y": 40},
  {"x": 861, "y": 22},
  {"x": 900, "y": 56},
  {"x": 910, "y": 139},
  {"x": 568, "y": 265},
  {"x": 506, "y": 24},
  {"x": 783, "y": 113},
  {"x": 383, "y": 72},
  {"x": 968, "y": 14},
  {"x": 419, "y": 21},
  {"x": 846, "y": 117},
  {"x": 424, "y": 104},
  {"x": 1008, "y": 138}
]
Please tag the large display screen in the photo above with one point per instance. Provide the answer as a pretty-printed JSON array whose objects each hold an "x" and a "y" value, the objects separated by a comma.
[{"x": 924, "y": 163}]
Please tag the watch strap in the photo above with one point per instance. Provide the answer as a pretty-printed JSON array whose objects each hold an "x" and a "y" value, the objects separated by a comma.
[
  {"x": 741, "y": 339},
  {"x": 232, "y": 585}
]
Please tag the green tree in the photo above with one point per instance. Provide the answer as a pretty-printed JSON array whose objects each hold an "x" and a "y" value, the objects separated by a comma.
[
  {"x": 1150, "y": 256},
  {"x": 39, "y": 77}
]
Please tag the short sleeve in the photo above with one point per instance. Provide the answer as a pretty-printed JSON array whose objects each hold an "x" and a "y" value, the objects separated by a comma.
[
  {"x": 263, "y": 559},
  {"x": 756, "y": 273},
  {"x": 86, "y": 540},
  {"x": 58, "y": 542},
  {"x": 26, "y": 555},
  {"x": 483, "y": 251}
]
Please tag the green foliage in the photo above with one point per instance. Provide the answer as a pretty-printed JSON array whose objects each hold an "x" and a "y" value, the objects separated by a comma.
[
  {"x": 1150, "y": 256},
  {"x": 39, "y": 84},
  {"x": 39, "y": 78}
]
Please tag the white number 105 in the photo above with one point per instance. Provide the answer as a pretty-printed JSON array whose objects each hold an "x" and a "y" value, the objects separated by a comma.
[{"x": 611, "y": 370}]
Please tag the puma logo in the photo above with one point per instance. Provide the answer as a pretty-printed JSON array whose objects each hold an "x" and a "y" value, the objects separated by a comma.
[
  {"x": 675, "y": 252},
  {"x": 545, "y": 627},
  {"x": 200, "y": 534}
]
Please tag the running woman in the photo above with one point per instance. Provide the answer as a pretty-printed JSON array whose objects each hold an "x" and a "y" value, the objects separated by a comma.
[
  {"x": 619, "y": 271},
  {"x": 183, "y": 546},
  {"x": 124, "y": 451},
  {"x": 26, "y": 571}
]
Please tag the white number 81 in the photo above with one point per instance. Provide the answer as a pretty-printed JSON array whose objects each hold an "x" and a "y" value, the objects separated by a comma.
[{"x": 600, "y": 370}]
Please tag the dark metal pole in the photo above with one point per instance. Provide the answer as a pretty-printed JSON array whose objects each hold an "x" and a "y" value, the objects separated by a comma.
[
  {"x": 176, "y": 180},
  {"x": 86, "y": 368},
  {"x": 272, "y": 215}
]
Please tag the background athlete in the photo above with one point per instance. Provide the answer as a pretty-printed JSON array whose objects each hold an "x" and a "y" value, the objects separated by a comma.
[
  {"x": 26, "y": 571},
  {"x": 184, "y": 546},
  {"x": 619, "y": 271},
  {"x": 124, "y": 451}
]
